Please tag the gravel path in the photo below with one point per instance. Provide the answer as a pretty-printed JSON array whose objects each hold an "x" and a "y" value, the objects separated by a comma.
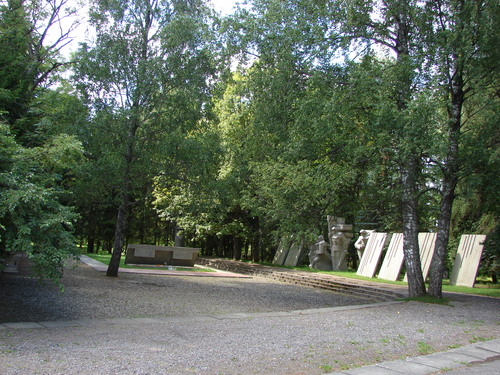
[{"x": 220, "y": 326}]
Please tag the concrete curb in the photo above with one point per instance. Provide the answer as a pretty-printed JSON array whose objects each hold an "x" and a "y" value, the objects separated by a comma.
[{"x": 468, "y": 355}]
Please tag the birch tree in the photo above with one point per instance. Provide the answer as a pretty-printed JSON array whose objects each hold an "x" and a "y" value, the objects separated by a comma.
[{"x": 149, "y": 68}]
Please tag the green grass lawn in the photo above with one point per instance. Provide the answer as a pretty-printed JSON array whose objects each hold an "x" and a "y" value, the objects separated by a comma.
[
  {"x": 105, "y": 258},
  {"x": 483, "y": 286}
]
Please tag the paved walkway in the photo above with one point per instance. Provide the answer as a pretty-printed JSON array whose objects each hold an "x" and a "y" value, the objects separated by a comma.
[{"x": 479, "y": 358}]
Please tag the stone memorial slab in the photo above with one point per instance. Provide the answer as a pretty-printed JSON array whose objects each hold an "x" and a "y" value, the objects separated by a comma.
[
  {"x": 180, "y": 253},
  {"x": 371, "y": 255},
  {"x": 294, "y": 254},
  {"x": 393, "y": 261},
  {"x": 467, "y": 260},
  {"x": 281, "y": 253},
  {"x": 152, "y": 254},
  {"x": 145, "y": 251},
  {"x": 426, "y": 243}
]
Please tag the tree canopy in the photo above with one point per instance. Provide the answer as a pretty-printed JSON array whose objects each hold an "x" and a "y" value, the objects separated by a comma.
[{"x": 246, "y": 129}]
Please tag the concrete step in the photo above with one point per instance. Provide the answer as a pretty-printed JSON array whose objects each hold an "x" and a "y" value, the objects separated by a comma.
[{"x": 374, "y": 292}]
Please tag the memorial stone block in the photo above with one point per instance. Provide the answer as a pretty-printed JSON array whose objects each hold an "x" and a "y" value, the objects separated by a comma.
[
  {"x": 294, "y": 254},
  {"x": 426, "y": 243},
  {"x": 467, "y": 260},
  {"x": 393, "y": 260},
  {"x": 319, "y": 257},
  {"x": 281, "y": 253},
  {"x": 340, "y": 235},
  {"x": 371, "y": 255},
  {"x": 152, "y": 254}
]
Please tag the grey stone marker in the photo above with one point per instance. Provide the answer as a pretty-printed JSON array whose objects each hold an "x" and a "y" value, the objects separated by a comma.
[
  {"x": 426, "y": 242},
  {"x": 281, "y": 253},
  {"x": 294, "y": 254},
  {"x": 393, "y": 261},
  {"x": 467, "y": 260},
  {"x": 152, "y": 254},
  {"x": 371, "y": 256}
]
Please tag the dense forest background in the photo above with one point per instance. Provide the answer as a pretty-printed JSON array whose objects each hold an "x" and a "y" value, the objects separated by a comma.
[{"x": 242, "y": 130}]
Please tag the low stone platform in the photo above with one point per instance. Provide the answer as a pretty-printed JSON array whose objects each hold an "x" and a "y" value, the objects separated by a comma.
[
  {"x": 152, "y": 254},
  {"x": 376, "y": 292}
]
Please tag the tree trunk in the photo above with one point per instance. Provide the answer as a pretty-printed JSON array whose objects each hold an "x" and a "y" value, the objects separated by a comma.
[
  {"x": 90, "y": 245},
  {"x": 409, "y": 155},
  {"x": 236, "y": 248},
  {"x": 121, "y": 223},
  {"x": 256, "y": 240},
  {"x": 416, "y": 285},
  {"x": 246, "y": 248},
  {"x": 450, "y": 170},
  {"x": 443, "y": 234}
]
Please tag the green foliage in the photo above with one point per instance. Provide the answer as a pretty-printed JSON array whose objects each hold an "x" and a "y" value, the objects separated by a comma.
[
  {"x": 424, "y": 348},
  {"x": 327, "y": 109},
  {"x": 16, "y": 79},
  {"x": 32, "y": 218},
  {"x": 37, "y": 158}
]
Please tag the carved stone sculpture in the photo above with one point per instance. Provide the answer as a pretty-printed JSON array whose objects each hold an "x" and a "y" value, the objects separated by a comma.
[
  {"x": 360, "y": 243},
  {"x": 319, "y": 257},
  {"x": 340, "y": 238}
]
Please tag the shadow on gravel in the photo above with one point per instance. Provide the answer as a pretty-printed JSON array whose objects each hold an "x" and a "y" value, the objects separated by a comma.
[{"x": 91, "y": 295}]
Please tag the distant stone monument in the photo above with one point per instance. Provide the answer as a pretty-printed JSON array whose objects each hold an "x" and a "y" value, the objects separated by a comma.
[
  {"x": 371, "y": 256},
  {"x": 179, "y": 237},
  {"x": 294, "y": 254},
  {"x": 394, "y": 257},
  {"x": 360, "y": 243},
  {"x": 426, "y": 243},
  {"x": 340, "y": 235},
  {"x": 319, "y": 258},
  {"x": 282, "y": 252},
  {"x": 467, "y": 260},
  {"x": 164, "y": 255}
]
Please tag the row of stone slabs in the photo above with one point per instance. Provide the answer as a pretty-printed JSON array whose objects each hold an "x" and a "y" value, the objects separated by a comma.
[{"x": 465, "y": 266}]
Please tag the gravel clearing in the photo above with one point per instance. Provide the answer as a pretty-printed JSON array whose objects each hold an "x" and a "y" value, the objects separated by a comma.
[
  {"x": 198, "y": 334},
  {"x": 91, "y": 295}
]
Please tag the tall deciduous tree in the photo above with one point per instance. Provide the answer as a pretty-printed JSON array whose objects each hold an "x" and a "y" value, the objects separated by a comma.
[
  {"x": 36, "y": 158},
  {"x": 466, "y": 41},
  {"x": 149, "y": 69}
]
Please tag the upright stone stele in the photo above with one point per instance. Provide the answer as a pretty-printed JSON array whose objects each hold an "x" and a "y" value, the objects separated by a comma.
[
  {"x": 294, "y": 254},
  {"x": 467, "y": 260},
  {"x": 394, "y": 258},
  {"x": 340, "y": 238},
  {"x": 426, "y": 242},
  {"x": 371, "y": 256},
  {"x": 282, "y": 252}
]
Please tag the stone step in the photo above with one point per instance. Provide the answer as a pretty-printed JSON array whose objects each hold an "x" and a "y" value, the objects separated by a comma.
[{"x": 346, "y": 286}]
